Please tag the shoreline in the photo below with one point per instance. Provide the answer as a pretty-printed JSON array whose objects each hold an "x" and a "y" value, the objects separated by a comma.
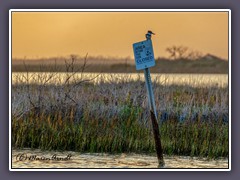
[{"x": 70, "y": 159}]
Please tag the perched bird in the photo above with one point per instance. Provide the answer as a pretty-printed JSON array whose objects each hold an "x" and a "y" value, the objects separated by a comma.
[{"x": 149, "y": 35}]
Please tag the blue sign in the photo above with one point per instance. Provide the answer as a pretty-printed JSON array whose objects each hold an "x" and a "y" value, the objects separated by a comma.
[{"x": 143, "y": 53}]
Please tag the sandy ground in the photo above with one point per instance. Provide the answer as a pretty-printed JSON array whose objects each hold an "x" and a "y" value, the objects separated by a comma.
[{"x": 50, "y": 159}]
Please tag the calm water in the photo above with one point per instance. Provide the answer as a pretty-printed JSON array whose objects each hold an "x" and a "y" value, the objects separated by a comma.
[{"x": 220, "y": 80}]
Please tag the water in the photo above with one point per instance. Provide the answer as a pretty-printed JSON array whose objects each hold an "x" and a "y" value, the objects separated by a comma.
[{"x": 220, "y": 80}]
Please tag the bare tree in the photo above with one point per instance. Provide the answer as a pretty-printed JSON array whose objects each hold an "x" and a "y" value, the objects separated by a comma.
[{"x": 182, "y": 52}]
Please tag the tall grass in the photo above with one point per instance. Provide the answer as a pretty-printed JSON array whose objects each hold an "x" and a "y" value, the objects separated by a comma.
[
  {"x": 112, "y": 116},
  {"x": 62, "y": 130}
]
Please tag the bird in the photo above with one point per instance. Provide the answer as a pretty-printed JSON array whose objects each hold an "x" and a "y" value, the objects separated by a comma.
[{"x": 149, "y": 35}]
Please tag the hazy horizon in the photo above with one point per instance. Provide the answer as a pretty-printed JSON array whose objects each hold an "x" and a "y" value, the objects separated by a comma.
[{"x": 100, "y": 57}]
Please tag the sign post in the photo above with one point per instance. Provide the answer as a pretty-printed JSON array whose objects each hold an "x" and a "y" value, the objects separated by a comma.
[{"x": 144, "y": 59}]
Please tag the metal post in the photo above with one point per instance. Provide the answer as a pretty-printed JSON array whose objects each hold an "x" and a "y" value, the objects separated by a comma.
[
  {"x": 150, "y": 91},
  {"x": 144, "y": 58},
  {"x": 153, "y": 113}
]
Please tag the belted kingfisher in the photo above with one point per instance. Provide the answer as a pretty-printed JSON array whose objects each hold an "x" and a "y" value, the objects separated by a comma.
[{"x": 149, "y": 35}]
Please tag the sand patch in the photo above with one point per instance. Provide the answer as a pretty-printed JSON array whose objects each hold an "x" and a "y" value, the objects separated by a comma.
[{"x": 68, "y": 159}]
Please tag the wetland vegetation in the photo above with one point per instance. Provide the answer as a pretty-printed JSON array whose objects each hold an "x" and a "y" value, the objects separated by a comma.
[{"x": 111, "y": 116}]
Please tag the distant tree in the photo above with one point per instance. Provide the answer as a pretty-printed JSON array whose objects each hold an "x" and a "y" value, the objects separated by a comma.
[
  {"x": 194, "y": 55},
  {"x": 182, "y": 52},
  {"x": 172, "y": 51}
]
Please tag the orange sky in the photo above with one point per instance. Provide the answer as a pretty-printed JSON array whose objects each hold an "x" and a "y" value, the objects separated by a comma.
[{"x": 47, "y": 34}]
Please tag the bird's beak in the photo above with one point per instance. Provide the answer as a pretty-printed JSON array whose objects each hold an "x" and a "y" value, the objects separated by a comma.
[{"x": 153, "y": 33}]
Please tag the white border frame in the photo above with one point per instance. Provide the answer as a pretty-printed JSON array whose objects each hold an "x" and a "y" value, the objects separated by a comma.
[{"x": 116, "y": 10}]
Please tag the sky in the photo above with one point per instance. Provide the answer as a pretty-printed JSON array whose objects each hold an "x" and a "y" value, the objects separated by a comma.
[{"x": 111, "y": 34}]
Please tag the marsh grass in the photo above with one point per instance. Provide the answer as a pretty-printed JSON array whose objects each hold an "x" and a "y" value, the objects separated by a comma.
[
  {"x": 123, "y": 133},
  {"x": 112, "y": 116}
]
